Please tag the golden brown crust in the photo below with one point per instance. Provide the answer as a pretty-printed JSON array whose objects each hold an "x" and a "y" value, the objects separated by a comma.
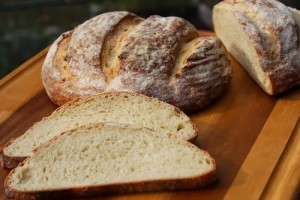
[
  {"x": 72, "y": 68},
  {"x": 156, "y": 57},
  {"x": 204, "y": 76},
  {"x": 190, "y": 82},
  {"x": 134, "y": 187}
]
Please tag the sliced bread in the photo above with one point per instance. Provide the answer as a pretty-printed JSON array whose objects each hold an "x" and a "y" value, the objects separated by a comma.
[
  {"x": 263, "y": 35},
  {"x": 119, "y": 107},
  {"x": 101, "y": 158}
]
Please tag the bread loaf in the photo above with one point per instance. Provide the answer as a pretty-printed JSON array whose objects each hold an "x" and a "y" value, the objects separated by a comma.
[
  {"x": 263, "y": 35},
  {"x": 97, "y": 159},
  {"x": 117, "y": 107},
  {"x": 162, "y": 57}
]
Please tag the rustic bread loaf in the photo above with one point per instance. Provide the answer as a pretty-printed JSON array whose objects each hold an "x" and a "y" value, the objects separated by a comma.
[
  {"x": 161, "y": 57},
  {"x": 263, "y": 36},
  {"x": 101, "y": 158},
  {"x": 118, "y": 107}
]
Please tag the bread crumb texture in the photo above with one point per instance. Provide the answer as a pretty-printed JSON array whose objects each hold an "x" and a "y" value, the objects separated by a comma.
[
  {"x": 107, "y": 154},
  {"x": 117, "y": 107}
]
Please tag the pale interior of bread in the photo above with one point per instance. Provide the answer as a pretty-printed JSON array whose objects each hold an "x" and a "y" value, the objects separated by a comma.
[
  {"x": 238, "y": 43},
  {"x": 121, "y": 108},
  {"x": 103, "y": 155},
  {"x": 112, "y": 45},
  {"x": 61, "y": 61}
]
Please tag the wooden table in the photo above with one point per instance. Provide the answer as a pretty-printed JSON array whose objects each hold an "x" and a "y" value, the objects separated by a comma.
[{"x": 255, "y": 138}]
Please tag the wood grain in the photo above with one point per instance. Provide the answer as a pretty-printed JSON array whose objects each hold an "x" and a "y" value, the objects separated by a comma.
[
  {"x": 285, "y": 179},
  {"x": 20, "y": 85},
  {"x": 267, "y": 149},
  {"x": 249, "y": 133}
]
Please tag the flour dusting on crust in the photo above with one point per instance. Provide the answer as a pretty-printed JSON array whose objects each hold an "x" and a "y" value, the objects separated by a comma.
[
  {"x": 273, "y": 30},
  {"x": 158, "y": 57}
]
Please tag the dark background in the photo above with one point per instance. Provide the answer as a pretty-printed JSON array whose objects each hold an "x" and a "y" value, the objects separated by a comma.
[{"x": 28, "y": 26}]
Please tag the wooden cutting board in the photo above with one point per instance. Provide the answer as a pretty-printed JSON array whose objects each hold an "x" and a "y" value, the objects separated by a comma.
[{"x": 254, "y": 137}]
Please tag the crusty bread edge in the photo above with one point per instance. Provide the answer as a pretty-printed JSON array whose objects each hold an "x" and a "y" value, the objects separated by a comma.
[
  {"x": 48, "y": 63},
  {"x": 10, "y": 162},
  {"x": 130, "y": 187},
  {"x": 119, "y": 188}
]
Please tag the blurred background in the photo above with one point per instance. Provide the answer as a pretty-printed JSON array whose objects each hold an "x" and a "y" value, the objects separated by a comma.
[{"x": 28, "y": 26}]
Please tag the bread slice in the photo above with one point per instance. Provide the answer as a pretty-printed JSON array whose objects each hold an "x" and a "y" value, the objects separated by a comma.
[
  {"x": 101, "y": 158},
  {"x": 263, "y": 36},
  {"x": 119, "y": 107}
]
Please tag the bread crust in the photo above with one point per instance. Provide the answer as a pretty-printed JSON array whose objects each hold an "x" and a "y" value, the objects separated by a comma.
[
  {"x": 118, "y": 188},
  {"x": 72, "y": 67},
  {"x": 147, "y": 62},
  {"x": 8, "y": 162},
  {"x": 274, "y": 34}
]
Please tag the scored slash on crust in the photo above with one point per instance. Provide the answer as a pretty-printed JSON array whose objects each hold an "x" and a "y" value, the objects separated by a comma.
[{"x": 158, "y": 56}]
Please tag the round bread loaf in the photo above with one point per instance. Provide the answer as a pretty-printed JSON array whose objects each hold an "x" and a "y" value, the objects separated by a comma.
[{"x": 162, "y": 57}]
